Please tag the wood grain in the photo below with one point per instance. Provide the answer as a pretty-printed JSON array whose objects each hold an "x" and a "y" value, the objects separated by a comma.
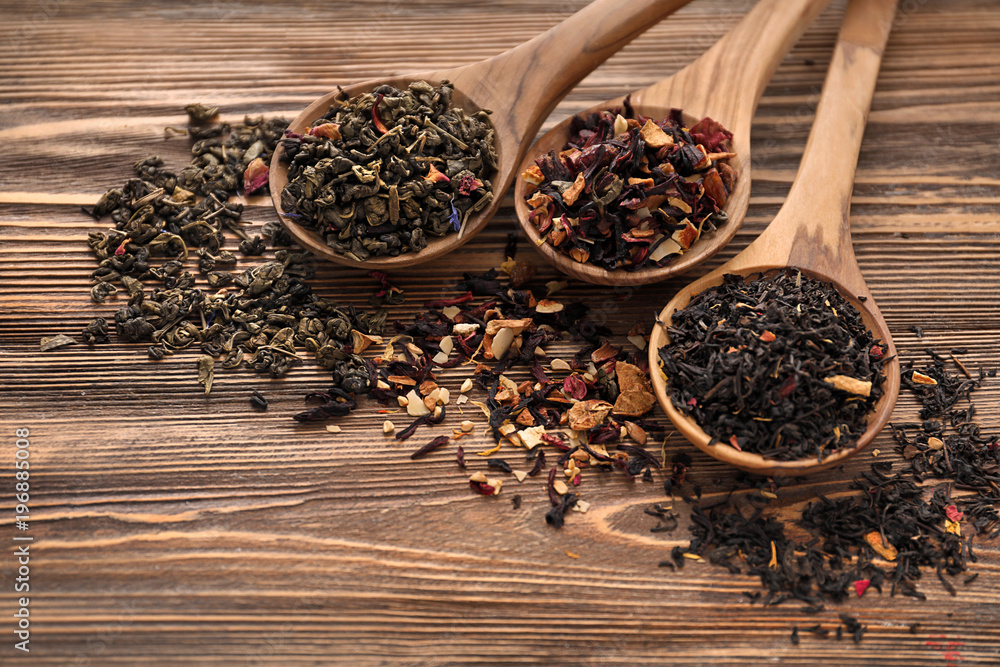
[{"x": 176, "y": 529}]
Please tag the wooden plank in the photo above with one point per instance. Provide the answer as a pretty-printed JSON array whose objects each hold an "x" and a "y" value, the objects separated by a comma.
[{"x": 171, "y": 528}]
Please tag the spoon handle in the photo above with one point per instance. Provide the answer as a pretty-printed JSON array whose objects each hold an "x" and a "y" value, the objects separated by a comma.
[
  {"x": 530, "y": 79},
  {"x": 728, "y": 80},
  {"x": 814, "y": 221}
]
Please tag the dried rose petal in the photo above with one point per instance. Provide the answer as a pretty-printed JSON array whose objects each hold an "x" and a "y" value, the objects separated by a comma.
[
  {"x": 327, "y": 131},
  {"x": 376, "y": 120},
  {"x": 469, "y": 184},
  {"x": 255, "y": 176},
  {"x": 434, "y": 176},
  {"x": 953, "y": 513},
  {"x": 861, "y": 585}
]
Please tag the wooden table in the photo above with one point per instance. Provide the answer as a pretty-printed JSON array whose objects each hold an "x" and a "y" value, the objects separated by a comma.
[{"x": 173, "y": 528}]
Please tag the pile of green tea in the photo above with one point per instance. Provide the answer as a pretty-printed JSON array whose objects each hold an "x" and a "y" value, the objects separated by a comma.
[
  {"x": 258, "y": 317},
  {"x": 382, "y": 173}
]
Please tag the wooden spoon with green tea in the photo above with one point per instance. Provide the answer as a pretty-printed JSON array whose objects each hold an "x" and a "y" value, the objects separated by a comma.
[
  {"x": 812, "y": 231},
  {"x": 520, "y": 86},
  {"x": 725, "y": 83}
]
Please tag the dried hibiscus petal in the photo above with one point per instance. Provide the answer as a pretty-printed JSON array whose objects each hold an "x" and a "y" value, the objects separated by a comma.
[
  {"x": 430, "y": 446},
  {"x": 574, "y": 387}
]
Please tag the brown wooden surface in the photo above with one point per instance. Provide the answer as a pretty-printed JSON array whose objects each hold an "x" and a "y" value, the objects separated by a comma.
[{"x": 171, "y": 528}]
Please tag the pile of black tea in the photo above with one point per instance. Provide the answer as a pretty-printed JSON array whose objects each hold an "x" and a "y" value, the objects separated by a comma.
[
  {"x": 629, "y": 192},
  {"x": 380, "y": 173},
  {"x": 260, "y": 317},
  {"x": 781, "y": 365},
  {"x": 915, "y": 515}
]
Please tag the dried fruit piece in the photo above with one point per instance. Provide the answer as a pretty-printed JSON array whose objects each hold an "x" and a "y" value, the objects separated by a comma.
[
  {"x": 883, "y": 549},
  {"x": 547, "y": 306},
  {"x": 850, "y": 385},
  {"x": 588, "y": 414},
  {"x": 654, "y": 135},
  {"x": 636, "y": 395},
  {"x": 560, "y": 365},
  {"x": 636, "y": 432},
  {"x": 361, "y": 342},
  {"x": 415, "y": 406},
  {"x": 55, "y": 342},
  {"x": 502, "y": 342}
]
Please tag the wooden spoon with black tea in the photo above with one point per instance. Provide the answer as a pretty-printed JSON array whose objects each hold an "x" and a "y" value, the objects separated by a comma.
[
  {"x": 725, "y": 83},
  {"x": 520, "y": 86},
  {"x": 812, "y": 231}
]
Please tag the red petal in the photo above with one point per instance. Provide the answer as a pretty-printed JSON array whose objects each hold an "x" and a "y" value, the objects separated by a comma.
[
  {"x": 574, "y": 387},
  {"x": 375, "y": 117},
  {"x": 952, "y": 513},
  {"x": 433, "y": 175},
  {"x": 861, "y": 585}
]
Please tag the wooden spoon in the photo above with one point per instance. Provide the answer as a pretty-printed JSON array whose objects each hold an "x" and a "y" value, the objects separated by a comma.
[
  {"x": 812, "y": 230},
  {"x": 520, "y": 86},
  {"x": 725, "y": 83}
]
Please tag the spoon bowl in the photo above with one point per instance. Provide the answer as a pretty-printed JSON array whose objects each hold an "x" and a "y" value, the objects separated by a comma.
[
  {"x": 811, "y": 232},
  {"x": 725, "y": 83},
  {"x": 750, "y": 461},
  {"x": 555, "y": 139},
  {"x": 520, "y": 86}
]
